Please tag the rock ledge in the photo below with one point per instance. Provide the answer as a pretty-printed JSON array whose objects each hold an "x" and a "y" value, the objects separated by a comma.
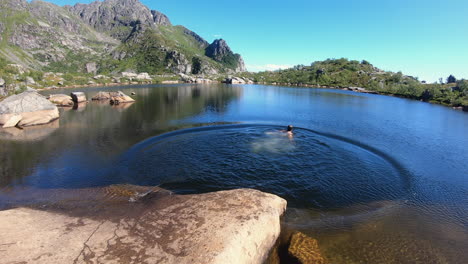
[{"x": 237, "y": 226}]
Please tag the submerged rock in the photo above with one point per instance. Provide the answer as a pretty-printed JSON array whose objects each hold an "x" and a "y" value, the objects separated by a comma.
[
  {"x": 30, "y": 108},
  {"x": 61, "y": 100},
  {"x": 305, "y": 249},
  {"x": 237, "y": 226}
]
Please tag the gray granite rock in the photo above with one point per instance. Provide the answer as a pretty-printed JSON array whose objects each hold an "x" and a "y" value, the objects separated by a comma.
[{"x": 33, "y": 108}]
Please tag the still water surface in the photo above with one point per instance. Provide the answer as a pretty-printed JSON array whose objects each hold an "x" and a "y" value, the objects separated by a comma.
[{"x": 375, "y": 179}]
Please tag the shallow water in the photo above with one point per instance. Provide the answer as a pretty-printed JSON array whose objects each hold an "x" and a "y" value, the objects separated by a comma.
[{"x": 375, "y": 179}]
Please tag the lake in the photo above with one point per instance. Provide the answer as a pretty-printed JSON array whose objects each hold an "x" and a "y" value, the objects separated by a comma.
[{"x": 375, "y": 179}]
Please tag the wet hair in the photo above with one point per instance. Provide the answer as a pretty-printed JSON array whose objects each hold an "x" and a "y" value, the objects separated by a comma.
[{"x": 290, "y": 128}]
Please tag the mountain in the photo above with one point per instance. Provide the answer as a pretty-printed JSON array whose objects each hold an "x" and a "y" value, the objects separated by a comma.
[{"x": 117, "y": 35}]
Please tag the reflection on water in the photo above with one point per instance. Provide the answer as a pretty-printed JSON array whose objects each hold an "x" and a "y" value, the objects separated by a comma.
[
  {"x": 90, "y": 136},
  {"x": 33, "y": 133},
  {"x": 384, "y": 183}
]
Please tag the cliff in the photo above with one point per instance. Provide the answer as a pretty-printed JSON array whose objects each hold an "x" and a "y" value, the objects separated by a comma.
[{"x": 117, "y": 35}]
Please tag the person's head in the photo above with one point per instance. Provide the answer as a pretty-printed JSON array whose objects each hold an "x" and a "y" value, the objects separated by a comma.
[{"x": 290, "y": 128}]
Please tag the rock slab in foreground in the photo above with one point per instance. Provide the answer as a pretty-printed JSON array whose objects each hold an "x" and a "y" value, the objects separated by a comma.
[
  {"x": 27, "y": 109},
  {"x": 238, "y": 226}
]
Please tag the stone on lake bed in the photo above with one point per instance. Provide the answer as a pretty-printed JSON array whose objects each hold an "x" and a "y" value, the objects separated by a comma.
[
  {"x": 33, "y": 108},
  {"x": 236, "y": 226},
  {"x": 78, "y": 97},
  {"x": 305, "y": 249}
]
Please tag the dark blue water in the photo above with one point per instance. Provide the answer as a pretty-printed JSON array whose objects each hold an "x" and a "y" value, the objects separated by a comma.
[
  {"x": 375, "y": 179},
  {"x": 306, "y": 168}
]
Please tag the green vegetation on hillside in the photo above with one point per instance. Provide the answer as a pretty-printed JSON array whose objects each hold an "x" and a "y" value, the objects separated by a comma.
[
  {"x": 342, "y": 73},
  {"x": 160, "y": 51}
]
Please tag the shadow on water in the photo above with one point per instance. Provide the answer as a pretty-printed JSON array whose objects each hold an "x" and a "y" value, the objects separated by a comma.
[{"x": 312, "y": 169}]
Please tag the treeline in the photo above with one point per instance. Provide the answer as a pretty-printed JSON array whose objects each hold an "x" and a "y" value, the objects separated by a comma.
[{"x": 343, "y": 73}]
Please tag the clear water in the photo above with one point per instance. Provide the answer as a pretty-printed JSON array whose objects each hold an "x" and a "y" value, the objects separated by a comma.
[{"x": 375, "y": 179}]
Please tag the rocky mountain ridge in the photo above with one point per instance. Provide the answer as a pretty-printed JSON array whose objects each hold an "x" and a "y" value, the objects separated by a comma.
[{"x": 116, "y": 35}]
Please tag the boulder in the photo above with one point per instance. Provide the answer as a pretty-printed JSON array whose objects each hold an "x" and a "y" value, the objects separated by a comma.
[
  {"x": 30, "y": 80},
  {"x": 3, "y": 90},
  {"x": 203, "y": 80},
  {"x": 235, "y": 80},
  {"x": 116, "y": 97},
  {"x": 91, "y": 67},
  {"x": 78, "y": 97},
  {"x": 153, "y": 226},
  {"x": 305, "y": 249},
  {"x": 33, "y": 108},
  {"x": 186, "y": 78},
  {"x": 61, "y": 100},
  {"x": 98, "y": 77},
  {"x": 129, "y": 75},
  {"x": 143, "y": 76}
]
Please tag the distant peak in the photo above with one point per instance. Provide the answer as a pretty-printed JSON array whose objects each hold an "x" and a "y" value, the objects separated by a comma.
[
  {"x": 218, "y": 49},
  {"x": 160, "y": 18}
]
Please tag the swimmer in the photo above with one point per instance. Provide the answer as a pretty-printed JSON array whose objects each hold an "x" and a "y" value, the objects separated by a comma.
[{"x": 289, "y": 131}]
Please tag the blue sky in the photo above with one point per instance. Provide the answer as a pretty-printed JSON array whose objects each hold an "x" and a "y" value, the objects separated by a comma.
[{"x": 424, "y": 38}]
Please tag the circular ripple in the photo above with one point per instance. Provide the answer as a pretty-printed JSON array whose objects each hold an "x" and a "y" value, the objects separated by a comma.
[{"x": 309, "y": 169}]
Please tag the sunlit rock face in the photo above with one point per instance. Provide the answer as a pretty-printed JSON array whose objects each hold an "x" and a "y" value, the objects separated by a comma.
[{"x": 145, "y": 226}]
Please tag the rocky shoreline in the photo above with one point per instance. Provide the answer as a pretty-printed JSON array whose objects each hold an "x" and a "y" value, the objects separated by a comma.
[{"x": 238, "y": 80}]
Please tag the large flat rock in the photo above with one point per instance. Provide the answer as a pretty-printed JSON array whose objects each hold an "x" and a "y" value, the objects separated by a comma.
[
  {"x": 237, "y": 226},
  {"x": 27, "y": 109}
]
